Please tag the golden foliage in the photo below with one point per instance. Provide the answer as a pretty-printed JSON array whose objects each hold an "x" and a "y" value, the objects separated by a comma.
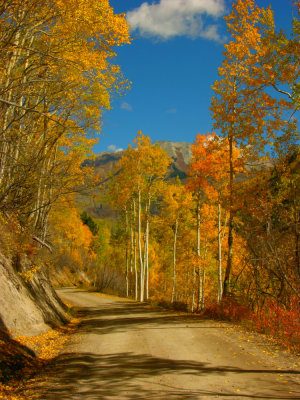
[{"x": 46, "y": 347}]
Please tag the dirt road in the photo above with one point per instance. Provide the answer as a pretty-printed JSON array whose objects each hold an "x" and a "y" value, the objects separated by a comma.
[{"x": 125, "y": 350}]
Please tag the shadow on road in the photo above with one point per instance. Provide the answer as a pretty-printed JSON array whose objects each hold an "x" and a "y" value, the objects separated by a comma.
[
  {"x": 88, "y": 376},
  {"x": 108, "y": 319}
]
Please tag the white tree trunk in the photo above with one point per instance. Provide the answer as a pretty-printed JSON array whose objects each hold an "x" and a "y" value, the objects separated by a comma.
[
  {"x": 203, "y": 278},
  {"x": 127, "y": 258},
  {"x": 200, "y": 292},
  {"x": 220, "y": 278},
  {"x": 131, "y": 255},
  {"x": 147, "y": 247},
  {"x": 135, "y": 257},
  {"x": 174, "y": 262},
  {"x": 142, "y": 275},
  {"x": 194, "y": 288}
]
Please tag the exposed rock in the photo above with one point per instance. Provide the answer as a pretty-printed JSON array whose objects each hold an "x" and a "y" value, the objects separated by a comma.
[
  {"x": 180, "y": 152},
  {"x": 28, "y": 307},
  {"x": 104, "y": 162}
]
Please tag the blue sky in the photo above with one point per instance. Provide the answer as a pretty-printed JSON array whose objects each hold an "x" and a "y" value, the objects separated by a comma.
[{"x": 172, "y": 63}]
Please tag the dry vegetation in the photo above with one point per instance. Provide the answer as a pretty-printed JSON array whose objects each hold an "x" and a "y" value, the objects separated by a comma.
[{"x": 24, "y": 357}]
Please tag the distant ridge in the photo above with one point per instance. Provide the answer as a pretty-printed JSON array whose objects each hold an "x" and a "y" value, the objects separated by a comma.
[
  {"x": 180, "y": 152},
  {"x": 104, "y": 163}
]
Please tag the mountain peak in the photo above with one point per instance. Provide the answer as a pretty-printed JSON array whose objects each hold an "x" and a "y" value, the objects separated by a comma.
[{"x": 179, "y": 151}]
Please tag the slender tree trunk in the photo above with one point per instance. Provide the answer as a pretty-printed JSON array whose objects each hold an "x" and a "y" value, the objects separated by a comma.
[
  {"x": 9, "y": 109},
  {"x": 203, "y": 277},
  {"x": 188, "y": 294},
  {"x": 127, "y": 278},
  {"x": 135, "y": 268},
  {"x": 203, "y": 289},
  {"x": 131, "y": 257},
  {"x": 45, "y": 223},
  {"x": 226, "y": 286},
  {"x": 199, "y": 253},
  {"x": 145, "y": 254},
  {"x": 142, "y": 277},
  {"x": 41, "y": 192},
  {"x": 50, "y": 199},
  {"x": 147, "y": 260},
  {"x": 174, "y": 262},
  {"x": 220, "y": 280},
  {"x": 297, "y": 251},
  {"x": 135, "y": 256},
  {"x": 147, "y": 247},
  {"x": 131, "y": 248},
  {"x": 127, "y": 258},
  {"x": 296, "y": 232},
  {"x": 194, "y": 288}
]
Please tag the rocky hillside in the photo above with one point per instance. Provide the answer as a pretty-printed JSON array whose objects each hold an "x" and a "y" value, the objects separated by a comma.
[
  {"x": 29, "y": 304},
  {"x": 180, "y": 152}
]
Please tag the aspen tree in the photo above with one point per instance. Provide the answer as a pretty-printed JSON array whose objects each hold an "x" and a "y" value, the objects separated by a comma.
[
  {"x": 177, "y": 205},
  {"x": 140, "y": 170},
  {"x": 55, "y": 82},
  {"x": 245, "y": 114}
]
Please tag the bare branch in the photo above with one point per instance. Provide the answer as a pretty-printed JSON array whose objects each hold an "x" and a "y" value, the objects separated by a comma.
[
  {"x": 41, "y": 242},
  {"x": 282, "y": 91}
]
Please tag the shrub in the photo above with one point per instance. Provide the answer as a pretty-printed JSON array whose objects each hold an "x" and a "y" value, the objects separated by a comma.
[
  {"x": 230, "y": 309},
  {"x": 279, "y": 321}
]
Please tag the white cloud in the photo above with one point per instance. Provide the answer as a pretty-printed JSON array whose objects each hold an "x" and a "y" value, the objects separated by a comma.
[
  {"x": 170, "y": 18},
  {"x": 113, "y": 147},
  {"x": 211, "y": 33},
  {"x": 126, "y": 106}
]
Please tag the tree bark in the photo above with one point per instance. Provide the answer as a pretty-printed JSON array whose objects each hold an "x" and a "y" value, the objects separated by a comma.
[
  {"x": 142, "y": 276},
  {"x": 203, "y": 277},
  {"x": 174, "y": 262},
  {"x": 194, "y": 287},
  {"x": 127, "y": 258},
  {"x": 226, "y": 286},
  {"x": 135, "y": 257},
  {"x": 220, "y": 280},
  {"x": 147, "y": 246},
  {"x": 199, "y": 253}
]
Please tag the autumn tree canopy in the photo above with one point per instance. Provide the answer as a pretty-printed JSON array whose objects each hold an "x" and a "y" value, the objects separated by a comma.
[
  {"x": 225, "y": 238},
  {"x": 56, "y": 78}
]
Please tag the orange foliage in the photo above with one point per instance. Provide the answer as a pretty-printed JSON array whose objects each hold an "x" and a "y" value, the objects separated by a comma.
[{"x": 280, "y": 321}]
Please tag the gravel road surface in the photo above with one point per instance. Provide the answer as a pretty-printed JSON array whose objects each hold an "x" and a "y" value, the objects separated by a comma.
[{"x": 126, "y": 350}]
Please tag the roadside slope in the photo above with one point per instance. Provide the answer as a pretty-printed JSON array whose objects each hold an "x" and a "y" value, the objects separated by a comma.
[{"x": 28, "y": 306}]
